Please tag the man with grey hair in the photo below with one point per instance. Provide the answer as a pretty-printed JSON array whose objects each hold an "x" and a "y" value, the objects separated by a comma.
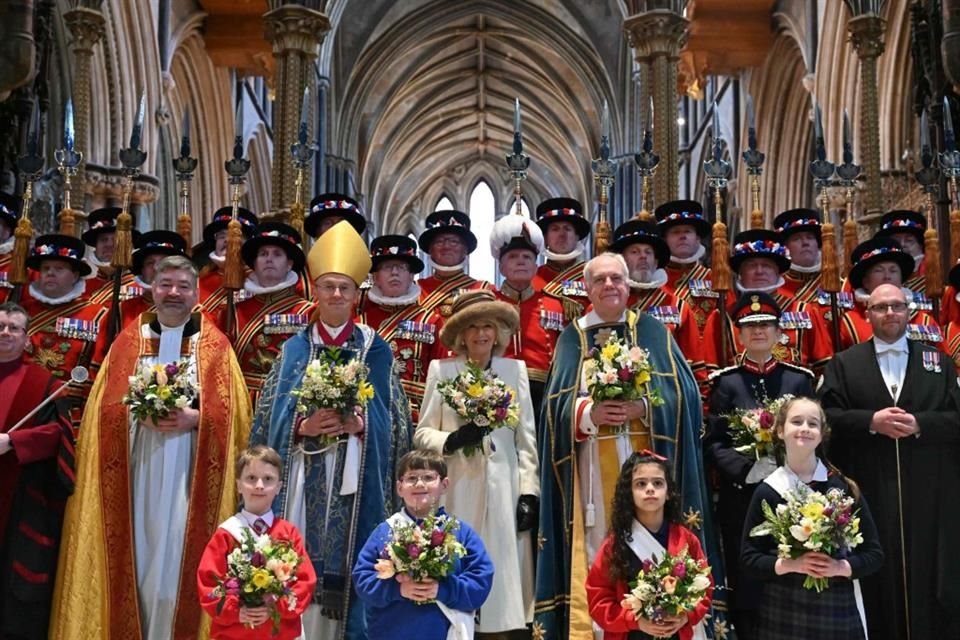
[
  {"x": 893, "y": 406},
  {"x": 584, "y": 442},
  {"x": 152, "y": 489}
]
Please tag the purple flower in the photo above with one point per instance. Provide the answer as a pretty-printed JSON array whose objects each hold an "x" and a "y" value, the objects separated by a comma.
[
  {"x": 624, "y": 374},
  {"x": 437, "y": 537},
  {"x": 232, "y": 587},
  {"x": 827, "y": 511},
  {"x": 647, "y": 566},
  {"x": 679, "y": 570},
  {"x": 171, "y": 369},
  {"x": 257, "y": 559},
  {"x": 413, "y": 551},
  {"x": 500, "y": 413},
  {"x": 843, "y": 519}
]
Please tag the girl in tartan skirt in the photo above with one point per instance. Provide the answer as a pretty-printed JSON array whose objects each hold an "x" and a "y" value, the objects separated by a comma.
[
  {"x": 643, "y": 524},
  {"x": 788, "y": 611}
]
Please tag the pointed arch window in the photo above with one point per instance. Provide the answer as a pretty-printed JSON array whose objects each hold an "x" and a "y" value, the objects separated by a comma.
[
  {"x": 483, "y": 211},
  {"x": 511, "y": 206},
  {"x": 444, "y": 204}
]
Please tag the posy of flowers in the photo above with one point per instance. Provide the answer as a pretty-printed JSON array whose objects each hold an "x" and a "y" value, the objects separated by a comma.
[
  {"x": 752, "y": 429},
  {"x": 618, "y": 371},
  {"x": 421, "y": 551},
  {"x": 669, "y": 587},
  {"x": 812, "y": 521},
  {"x": 477, "y": 395},
  {"x": 330, "y": 383},
  {"x": 260, "y": 572},
  {"x": 156, "y": 390}
]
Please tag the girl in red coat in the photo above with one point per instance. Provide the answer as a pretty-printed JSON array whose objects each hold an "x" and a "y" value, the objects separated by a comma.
[{"x": 642, "y": 525}]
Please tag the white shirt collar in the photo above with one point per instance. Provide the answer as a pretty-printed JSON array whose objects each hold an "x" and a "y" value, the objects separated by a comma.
[
  {"x": 250, "y": 518},
  {"x": 819, "y": 474},
  {"x": 592, "y": 319},
  {"x": 898, "y": 346},
  {"x": 333, "y": 331}
]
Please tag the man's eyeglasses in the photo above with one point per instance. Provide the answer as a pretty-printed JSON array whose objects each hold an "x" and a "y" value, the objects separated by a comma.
[
  {"x": 426, "y": 478},
  {"x": 12, "y": 328},
  {"x": 895, "y": 307}
]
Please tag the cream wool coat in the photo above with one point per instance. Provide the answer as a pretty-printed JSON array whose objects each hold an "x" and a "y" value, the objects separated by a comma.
[{"x": 484, "y": 488}]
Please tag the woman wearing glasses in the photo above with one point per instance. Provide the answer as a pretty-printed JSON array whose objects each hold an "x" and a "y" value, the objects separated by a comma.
[{"x": 493, "y": 469}]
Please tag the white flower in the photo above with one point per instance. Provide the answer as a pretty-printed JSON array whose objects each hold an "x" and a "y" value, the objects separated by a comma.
[{"x": 700, "y": 583}]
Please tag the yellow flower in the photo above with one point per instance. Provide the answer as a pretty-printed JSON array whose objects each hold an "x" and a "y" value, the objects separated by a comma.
[
  {"x": 765, "y": 435},
  {"x": 642, "y": 378},
  {"x": 610, "y": 351},
  {"x": 164, "y": 393},
  {"x": 475, "y": 390},
  {"x": 365, "y": 392},
  {"x": 813, "y": 510},
  {"x": 261, "y": 579}
]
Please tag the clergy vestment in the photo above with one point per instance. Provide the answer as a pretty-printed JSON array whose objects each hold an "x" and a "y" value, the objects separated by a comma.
[
  {"x": 565, "y": 463},
  {"x": 147, "y": 500},
  {"x": 36, "y": 476},
  {"x": 856, "y": 384},
  {"x": 335, "y": 497}
]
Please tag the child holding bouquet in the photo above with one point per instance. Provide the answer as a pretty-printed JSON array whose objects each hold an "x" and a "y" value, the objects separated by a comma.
[
  {"x": 650, "y": 577},
  {"x": 808, "y": 536},
  {"x": 255, "y": 579},
  {"x": 422, "y": 573}
]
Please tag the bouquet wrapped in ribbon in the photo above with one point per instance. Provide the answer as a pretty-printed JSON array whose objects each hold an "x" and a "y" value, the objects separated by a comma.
[
  {"x": 260, "y": 572},
  {"x": 752, "y": 429},
  {"x": 479, "y": 396},
  {"x": 421, "y": 551},
  {"x": 330, "y": 383},
  {"x": 812, "y": 521},
  {"x": 669, "y": 587},
  {"x": 156, "y": 390},
  {"x": 619, "y": 372}
]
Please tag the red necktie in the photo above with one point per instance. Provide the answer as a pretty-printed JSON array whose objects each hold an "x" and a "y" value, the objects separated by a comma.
[{"x": 260, "y": 526}]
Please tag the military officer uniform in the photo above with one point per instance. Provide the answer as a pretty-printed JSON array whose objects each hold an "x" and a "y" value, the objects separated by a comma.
[{"x": 210, "y": 291}]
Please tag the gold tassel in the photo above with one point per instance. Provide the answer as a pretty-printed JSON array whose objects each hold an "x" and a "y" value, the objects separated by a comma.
[
  {"x": 933, "y": 274},
  {"x": 68, "y": 223},
  {"x": 954, "y": 236},
  {"x": 829, "y": 268},
  {"x": 185, "y": 229},
  {"x": 644, "y": 215},
  {"x": 849, "y": 234},
  {"x": 123, "y": 244},
  {"x": 756, "y": 219},
  {"x": 720, "y": 272},
  {"x": 233, "y": 267},
  {"x": 21, "y": 248},
  {"x": 601, "y": 237},
  {"x": 297, "y": 211}
]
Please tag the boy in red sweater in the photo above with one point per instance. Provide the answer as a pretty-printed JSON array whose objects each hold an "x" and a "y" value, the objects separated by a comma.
[{"x": 258, "y": 482}]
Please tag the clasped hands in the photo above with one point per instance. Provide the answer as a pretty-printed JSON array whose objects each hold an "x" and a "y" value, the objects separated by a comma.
[
  {"x": 330, "y": 422},
  {"x": 895, "y": 423},
  {"x": 176, "y": 421},
  {"x": 422, "y": 591},
  {"x": 664, "y": 628},
  {"x": 816, "y": 564},
  {"x": 254, "y": 616},
  {"x": 617, "y": 412}
]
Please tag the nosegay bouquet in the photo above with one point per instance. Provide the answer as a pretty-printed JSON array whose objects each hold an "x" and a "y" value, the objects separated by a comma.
[
  {"x": 421, "y": 551},
  {"x": 260, "y": 572},
  {"x": 752, "y": 429},
  {"x": 812, "y": 521},
  {"x": 330, "y": 383},
  {"x": 619, "y": 372},
  {"x": 156, "y": 390},
  {"x": 668, "y": 587},
  {"x": 479, "y": 396}
]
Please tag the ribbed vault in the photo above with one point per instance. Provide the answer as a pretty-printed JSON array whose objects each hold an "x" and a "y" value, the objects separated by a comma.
[{"x": 432, "y": 94}]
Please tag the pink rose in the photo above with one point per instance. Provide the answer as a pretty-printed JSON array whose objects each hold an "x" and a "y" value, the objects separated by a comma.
[
  {"x": 413, "y": 551},
  {"x": 437, "y": 537},
  {"x": 679, "y": 570},
  {"x": 232, "y": 587},
  {"x": 766, "y": 420}
]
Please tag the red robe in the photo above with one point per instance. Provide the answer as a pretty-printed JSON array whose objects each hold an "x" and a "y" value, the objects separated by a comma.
[
  {"x": 604, "y": 595},
  {"x": 226, "y": 624},
  {"x": 691, "y": 284},
  {"x": 565, "y": 285}
]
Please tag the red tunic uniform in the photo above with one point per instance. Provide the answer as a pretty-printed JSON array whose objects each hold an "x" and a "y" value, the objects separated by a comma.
[
  {"x": 439, "y": 293},
  {"x": 5, "y": 285},
  {"x": 691, "y": 284},
  {"x": 64, "y": 336},
  {"x": 226, "y": 620},
  {"x": 541, "y": 322},
  {"x": 263, "y": 322},
  {"x": 566, "y": 285},
  {"x": 855, "y": 328},
  {"x": 804, "y": 287},
  {"x": 413, "y": 334},
  {"x": 99, "y": 288}
]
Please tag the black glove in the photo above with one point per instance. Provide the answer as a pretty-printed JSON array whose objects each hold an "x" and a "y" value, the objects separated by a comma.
[
  {"x": 528, "y": 509},
  {"x": 467, "y": 435}
]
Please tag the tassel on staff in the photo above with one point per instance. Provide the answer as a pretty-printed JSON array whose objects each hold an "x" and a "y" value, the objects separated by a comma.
[
  {"x": 822, "y": 171},
  {"x": 753, "y": 158},
  {"x": 718, "y": 173},
  {"x": 929, "y": 179},
  {"x": 68, "y": 160},
  {"x": 233, "y": 271},
  {"x": 30, "y": 166}
]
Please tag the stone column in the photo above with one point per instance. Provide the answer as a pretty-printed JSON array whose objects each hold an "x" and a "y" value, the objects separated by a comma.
[
  {"x": 86, "y": 26},
  {"x": 296, "y": 34},
  {"x": 866, "y": 33},
  {"x": 657, "y": 37}
]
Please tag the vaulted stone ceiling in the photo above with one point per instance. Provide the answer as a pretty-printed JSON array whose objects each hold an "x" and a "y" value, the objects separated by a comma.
[{"x": 423, "y": 96}]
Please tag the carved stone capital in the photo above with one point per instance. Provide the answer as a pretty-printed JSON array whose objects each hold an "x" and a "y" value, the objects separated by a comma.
[
  {"x": 295, "y": 28},
  {"x": 86, "y": 26},
  {"x": 107, "y": 184},
  {"x": 866, "y": 34},
  {"x": 656, "y": 33}
]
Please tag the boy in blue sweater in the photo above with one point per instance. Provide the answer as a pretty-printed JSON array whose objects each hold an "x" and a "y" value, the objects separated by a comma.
[{"x": 398, "y": 607}]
